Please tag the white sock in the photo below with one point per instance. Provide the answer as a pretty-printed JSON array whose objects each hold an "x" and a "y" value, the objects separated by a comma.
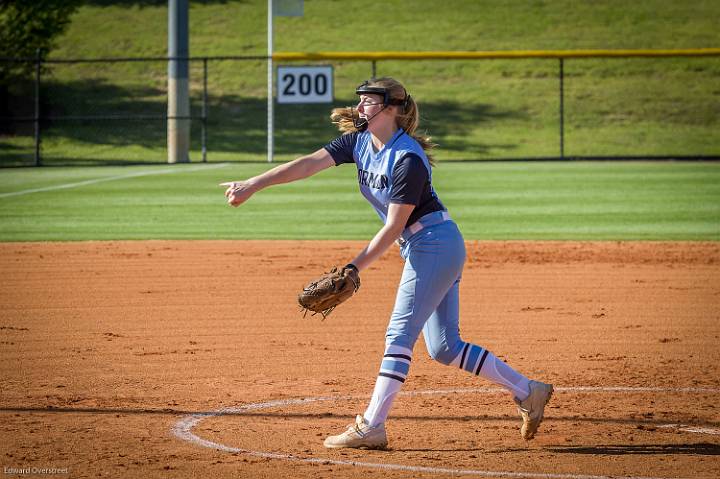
[
  {"x": 481, "y": 362},
  {"x": 394, "y": 369},
  {"x": 497, "y": 371},
  {"x": 382, "y": 400}
]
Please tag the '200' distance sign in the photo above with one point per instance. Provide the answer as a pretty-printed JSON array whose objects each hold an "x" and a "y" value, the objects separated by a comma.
[{"x": 313, "y": 84}]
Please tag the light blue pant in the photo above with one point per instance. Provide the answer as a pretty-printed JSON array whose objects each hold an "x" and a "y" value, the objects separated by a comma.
[
  {"x": 428, "y": 301},
  {"x": 428, "y": 296}
]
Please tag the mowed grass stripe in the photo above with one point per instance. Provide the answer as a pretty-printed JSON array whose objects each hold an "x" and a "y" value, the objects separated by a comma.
[
  {"x": 590, "y": 201},
  {"x": 102, "y": 179},
  {"x": 530, "y": 200}
]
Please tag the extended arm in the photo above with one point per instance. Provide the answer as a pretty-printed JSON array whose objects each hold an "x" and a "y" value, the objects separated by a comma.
[
  {"x": 240, "y": 191},
  {"x": 397, "y": 217}
]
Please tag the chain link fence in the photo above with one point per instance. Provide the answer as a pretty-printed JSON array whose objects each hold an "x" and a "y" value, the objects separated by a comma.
[{"x": 114, "y": 111}]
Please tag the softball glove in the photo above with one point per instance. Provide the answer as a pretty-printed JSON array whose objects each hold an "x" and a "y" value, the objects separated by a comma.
[{"x": 329, "y": 290}]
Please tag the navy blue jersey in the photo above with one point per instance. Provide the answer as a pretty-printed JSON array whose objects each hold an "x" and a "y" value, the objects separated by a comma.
[{"x": 399, "y": 173}]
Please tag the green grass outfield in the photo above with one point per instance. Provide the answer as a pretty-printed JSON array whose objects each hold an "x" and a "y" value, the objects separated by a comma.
[{"x": 489, "y": 200}]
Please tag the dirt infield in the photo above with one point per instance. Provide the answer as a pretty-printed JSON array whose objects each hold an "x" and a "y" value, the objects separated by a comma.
[{"x": 109, "y": 350}]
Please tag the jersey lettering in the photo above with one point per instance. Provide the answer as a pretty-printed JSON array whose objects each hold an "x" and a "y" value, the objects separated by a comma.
[
  {"x": 377, "y": 181},
  {"x": 376, "y": 169}
]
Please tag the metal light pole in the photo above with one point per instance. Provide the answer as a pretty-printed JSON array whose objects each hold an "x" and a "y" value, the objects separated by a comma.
[
  {"x": 270, "y": 104},
  {"x": 178, "y": 124}
]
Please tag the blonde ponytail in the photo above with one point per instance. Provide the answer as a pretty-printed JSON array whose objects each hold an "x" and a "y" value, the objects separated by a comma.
[
  {"x": 409, "y": 121},
  {"x": 343, "y": 118}
]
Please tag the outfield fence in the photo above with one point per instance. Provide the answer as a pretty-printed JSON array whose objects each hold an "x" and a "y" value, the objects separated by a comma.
[{"x": 114, "y": 110}]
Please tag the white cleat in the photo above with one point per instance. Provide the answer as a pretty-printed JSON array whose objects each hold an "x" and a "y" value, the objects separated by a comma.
[
  {"x": 533, "y": 408},
  {"x": 359, "y": 435}
]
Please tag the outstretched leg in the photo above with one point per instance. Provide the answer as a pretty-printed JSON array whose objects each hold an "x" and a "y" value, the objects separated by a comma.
[{"x": 442, "y": 338}]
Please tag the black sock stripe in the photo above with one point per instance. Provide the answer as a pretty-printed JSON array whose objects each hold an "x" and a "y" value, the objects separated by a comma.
[
  {"x": 477, "y": 371},
  {"x": 403, "y": 356},
  {"x": 392, "y": 376},
  {"x": 462, "y": 360}
]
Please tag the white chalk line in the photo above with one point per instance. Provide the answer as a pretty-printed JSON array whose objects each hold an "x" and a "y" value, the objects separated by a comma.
[
  {"x": 693, "y": 429},
  {"x": 183, "y": 430},
  {"x": 173, "y": 169}
]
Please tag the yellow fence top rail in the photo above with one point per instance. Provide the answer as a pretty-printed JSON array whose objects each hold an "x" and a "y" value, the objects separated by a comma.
[{"x": 467, "y": 55}]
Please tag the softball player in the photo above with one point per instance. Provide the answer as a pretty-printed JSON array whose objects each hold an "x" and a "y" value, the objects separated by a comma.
[{"x": 395, "y": 175}]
